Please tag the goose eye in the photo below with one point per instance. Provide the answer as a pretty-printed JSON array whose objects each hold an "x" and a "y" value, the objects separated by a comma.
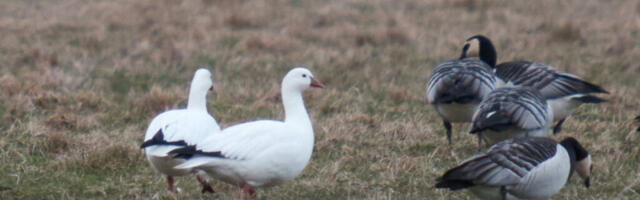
[{"x": 304, "y": 76}]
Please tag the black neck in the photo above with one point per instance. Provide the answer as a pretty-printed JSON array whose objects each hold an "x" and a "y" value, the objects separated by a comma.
[
  {"x": 575, "y": 150},
  {"x": 487, "y": 51}
]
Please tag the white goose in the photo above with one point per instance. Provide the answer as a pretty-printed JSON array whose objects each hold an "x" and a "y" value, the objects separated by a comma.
[
  {"x": 512, "y": 112},
  {"x": 565, "y": 92},
  {"x": 178, "y": 128},
  {"x": 520, "y": 168},
  {"x": 456, "y": 87},
  {"x": 260, "y": 153}
]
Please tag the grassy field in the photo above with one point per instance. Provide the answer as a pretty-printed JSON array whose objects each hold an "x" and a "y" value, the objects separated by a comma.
[{"x": 80, "y": 81}]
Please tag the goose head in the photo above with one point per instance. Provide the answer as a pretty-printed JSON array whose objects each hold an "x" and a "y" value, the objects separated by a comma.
[
  {"x": 480, "y": 46},
  {"x": 583, "y": 164},
  {"x": 200, "y": 84},
  {"x": 300, "y": 79},
  {"x": 202, "y": 80},
  {"x": 584, "y": 168}
]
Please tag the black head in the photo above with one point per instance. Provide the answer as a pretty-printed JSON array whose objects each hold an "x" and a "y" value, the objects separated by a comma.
[
  {"x": 463, "y": 55},
  {"x": 580, "y": 157},
  {"x": 486, "y": 51}
]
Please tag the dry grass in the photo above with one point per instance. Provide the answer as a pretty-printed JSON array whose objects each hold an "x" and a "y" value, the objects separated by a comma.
[{"x": 80, "y": 80}]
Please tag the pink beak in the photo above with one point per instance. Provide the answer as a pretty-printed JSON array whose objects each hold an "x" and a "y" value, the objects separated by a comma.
[{"x": 315, "y": 83}]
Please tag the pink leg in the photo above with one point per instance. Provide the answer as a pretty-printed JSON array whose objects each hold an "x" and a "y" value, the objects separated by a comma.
[
  {"x": 250, "y": 191},
  {"x": 205, "y": 185},
  {"x": 170, "y": 181}
]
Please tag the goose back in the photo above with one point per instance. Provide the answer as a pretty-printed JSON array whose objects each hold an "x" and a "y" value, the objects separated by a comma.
[
  {"x": 552, "y": 83},
  {"x": 528, "y": 168},
  {"x": 460, "y": 81}
]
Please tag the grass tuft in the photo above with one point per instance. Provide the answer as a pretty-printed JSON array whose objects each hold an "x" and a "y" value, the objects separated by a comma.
[{"x": 566, "y": 32}]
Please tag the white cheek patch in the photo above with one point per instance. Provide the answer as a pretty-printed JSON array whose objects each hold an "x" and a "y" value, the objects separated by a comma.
[
  {"x": 584, "y": 167},
  {"x": 474, "y": 48}
]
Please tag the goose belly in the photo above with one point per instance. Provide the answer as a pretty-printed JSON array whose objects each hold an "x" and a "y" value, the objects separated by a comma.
[
  {"x": 563, "y": 107},
  {"x": 546, "y": 179},
  {"x": 456, "y": 112},
  {"x": 271, "y": 167},
  {"x": 166, "y": 165}
]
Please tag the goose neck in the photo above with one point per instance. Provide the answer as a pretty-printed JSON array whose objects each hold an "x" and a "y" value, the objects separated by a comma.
[
  {"x": 488, "y": 52},
  {"x": 294, "y": 109},
  {"x": 197, "y": 100},
  {"x": 570, "y": 148}
]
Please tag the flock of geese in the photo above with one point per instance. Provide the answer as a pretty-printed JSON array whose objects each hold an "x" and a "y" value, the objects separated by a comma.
[
  {"x": 511, "y": 106},
  {"x": 249, "y": 155}
]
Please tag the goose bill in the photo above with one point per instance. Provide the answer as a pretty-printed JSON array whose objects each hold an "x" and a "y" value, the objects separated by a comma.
[
  {"x": 316, "y": 83},
  {"x": 584, "y": 170}
]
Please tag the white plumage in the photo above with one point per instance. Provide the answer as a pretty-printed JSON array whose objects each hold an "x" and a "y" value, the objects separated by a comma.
[
  {"x": 260, "y": 153},
  {"x": 177, "y": 128}
]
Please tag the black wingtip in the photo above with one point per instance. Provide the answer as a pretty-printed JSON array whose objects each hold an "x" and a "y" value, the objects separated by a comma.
[
  {"x": 475, "y": 130},
  {"x": 184, "y": 152},
  {"x": 190, "y": 150},
  {"x": 590, "y": 99},
  {"x": 586, "y": 87},
  {"x": 158, "y": 139}
]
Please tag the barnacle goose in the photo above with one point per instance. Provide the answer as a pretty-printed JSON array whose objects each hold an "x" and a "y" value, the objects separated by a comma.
[
  {"x": 564, "y": 91},
  {"x": 512, "y": 111},
  {"x": 456, "y": 87},
  {"x": 520, "y": 168}
]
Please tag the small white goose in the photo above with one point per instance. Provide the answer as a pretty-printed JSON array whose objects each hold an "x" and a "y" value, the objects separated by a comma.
[
  {"x": 178, "y": 128},
  {"x": 512, "y": 112},
  {"x": 520, "y": 168},
  {"x": 565, "y": 92},
  {"x": 456, "y": 87},
  {"x": 260, "y": 153}
]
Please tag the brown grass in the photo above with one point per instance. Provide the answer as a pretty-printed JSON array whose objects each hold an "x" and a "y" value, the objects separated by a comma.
[{"x": 80, "y": 80}]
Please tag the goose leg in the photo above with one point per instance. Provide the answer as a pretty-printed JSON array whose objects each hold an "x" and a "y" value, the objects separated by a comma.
[
  {"x": 558, "y": 126},
  {"x": 248, "y": 191},
  {"x": 503, "y": 192},
  {"x": 206, "y": 187},
  {"x": 170, "y": 182},
  {"x": 479, "y": 141},
  {"x": 447, "y": 126}
]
